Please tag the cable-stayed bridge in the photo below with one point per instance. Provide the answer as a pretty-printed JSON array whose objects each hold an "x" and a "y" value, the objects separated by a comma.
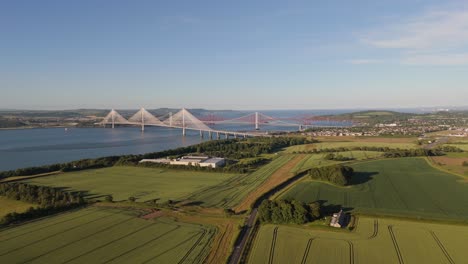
[{"x": 187, "y": 121}]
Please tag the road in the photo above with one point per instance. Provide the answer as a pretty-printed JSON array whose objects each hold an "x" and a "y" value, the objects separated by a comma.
[
  {"x": 437, "y": 142},
  {"x": 243, "y": 237}
]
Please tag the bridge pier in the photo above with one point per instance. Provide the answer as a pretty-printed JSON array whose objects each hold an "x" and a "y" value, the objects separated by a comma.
[
  {"x": 217, "y": 135},
  {"x": 201, "y": 134},
  {"x": 183, "y": 132},
  {"x": 227, "y": 135},
  {"x": 210, "y": 135}
]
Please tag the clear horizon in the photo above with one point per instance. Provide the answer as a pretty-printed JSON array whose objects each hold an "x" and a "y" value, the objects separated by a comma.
[{"x": 239, "y": 55}]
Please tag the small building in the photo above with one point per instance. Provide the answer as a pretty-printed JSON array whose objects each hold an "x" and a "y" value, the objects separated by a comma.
[
  {"x": 202, "y": 161},
  {"x": 339, "y": 220},
  {"x": 213, "y": 162}
]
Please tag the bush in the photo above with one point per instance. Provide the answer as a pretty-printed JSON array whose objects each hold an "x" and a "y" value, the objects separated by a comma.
[
  {"x": 284, "y": 212},
  {"x": 339, "y": 175},
  {"x": 132, "y": 199},
  {"x": 465, "y": 163}
]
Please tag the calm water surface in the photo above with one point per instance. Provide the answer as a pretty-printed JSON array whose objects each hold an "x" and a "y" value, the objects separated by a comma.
[{"x": 34, "y": 147}]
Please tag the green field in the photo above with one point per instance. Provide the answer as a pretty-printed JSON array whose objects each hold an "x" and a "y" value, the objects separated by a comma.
[
  {"x": 324, "y": 145},
  {"x": 317, "y": 160},
  {"x": 349, "y": 144},
  {"x": 232, "y": 191},
  {"x": 373, "y": 241},
  {"x": 96, "y": 235},
  {"x": 141, "y": 183},
  {"x": 407, "y": 186},
  {"x": 10, "y": 206}
]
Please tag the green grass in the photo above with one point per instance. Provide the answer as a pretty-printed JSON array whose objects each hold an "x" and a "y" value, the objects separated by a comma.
[
  {"x": 317, "y": 160},
  {"x": 232, "y": 191},
  {"x": 141, "y": 183},
  {"x": 349, "y": 144},
  {"x": 96, "y": 235},
  {"x": 403, "y": 187},
  {"x": 9, "y": 206},
  {"x": 417, "y": 243},
  {"x": 324, "y": 145}
]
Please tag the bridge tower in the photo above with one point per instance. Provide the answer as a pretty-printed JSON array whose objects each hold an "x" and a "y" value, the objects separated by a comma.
[
  {"x": 142, "y": 120},
  {"x": 183, "y": 122},
  {"x": 113, "y": 117},
  {"x": 256, "y": 120}
]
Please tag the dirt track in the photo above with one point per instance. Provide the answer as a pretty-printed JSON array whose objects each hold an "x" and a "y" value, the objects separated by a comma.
[{"x": 278, "y": 177}]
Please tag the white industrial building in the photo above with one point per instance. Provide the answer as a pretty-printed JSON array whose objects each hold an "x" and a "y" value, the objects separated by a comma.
[{"x": 202, "y": 161}]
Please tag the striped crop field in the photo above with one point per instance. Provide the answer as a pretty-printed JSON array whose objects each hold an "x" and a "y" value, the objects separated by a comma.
[
  {"x": 229, "y": 193},
  {"x": 98, "y": 235},
  {"x": 375, "y": 240}
]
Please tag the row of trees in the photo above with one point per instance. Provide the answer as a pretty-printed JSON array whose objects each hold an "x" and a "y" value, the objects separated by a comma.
[
  {"x": 50, "y": 200},
  {"x": 337, "y": 174},
  {"x": 434, "y": 152},
  {"x": 288, "y": 212},
  {"x": 42, "y": 195},
  {"x": 413, "y": 153}
]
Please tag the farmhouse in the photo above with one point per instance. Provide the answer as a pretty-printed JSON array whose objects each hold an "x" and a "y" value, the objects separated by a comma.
[
  {"x": 202, "y": 161},
  {"x": 338, "y": 219}
]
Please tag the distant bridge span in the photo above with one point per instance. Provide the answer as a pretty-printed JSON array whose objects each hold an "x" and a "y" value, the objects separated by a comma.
[{"x": 187, "y": 121}]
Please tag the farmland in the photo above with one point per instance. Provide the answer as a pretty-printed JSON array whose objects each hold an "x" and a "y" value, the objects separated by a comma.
[
  {"x": 141, "y": 183},
  {"x": 105, "y": 235},
  {"x": 10, "y": 206},
  {"x": 406, "y": 186},
  {"x": 330, "y": 144},
  {"x": 375, "y": 240},
  {"x": 317, "y": 160},
  {"x": 229, "y": 193}
]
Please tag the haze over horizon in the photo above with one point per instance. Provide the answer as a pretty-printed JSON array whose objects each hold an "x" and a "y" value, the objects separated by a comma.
[{"x": 233, "y": 55}]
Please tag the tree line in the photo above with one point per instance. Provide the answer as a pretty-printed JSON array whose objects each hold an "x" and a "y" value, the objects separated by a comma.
[
  {"x": 336, "y": 174},
  {"x": 388, "y": 152},
  {"x": 49, "y": 200},
  {"x": 288, "y": 212}
]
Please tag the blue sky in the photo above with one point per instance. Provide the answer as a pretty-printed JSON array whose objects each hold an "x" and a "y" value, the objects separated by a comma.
[{"x": 233, "y": 54}]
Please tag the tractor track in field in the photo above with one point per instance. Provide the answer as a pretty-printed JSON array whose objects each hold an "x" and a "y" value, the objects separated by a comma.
[
  {"x": 81, "y": 239},
  {"x": 115, "y": 240},
  {"x": 395, "y": 244},
  {"x": 441, "y": 246},
  {"x": 172, "y": 248},
  {"x": 376, "y": 229},
  {"x": 307, "y": 250},
  {"x": 193, "y": 247},
  {"x": 351, "y": 252},
  {"x": 46, "y": 226},
  {"x": 273, "y": 244},
  {"x": 55, "y": 234}
]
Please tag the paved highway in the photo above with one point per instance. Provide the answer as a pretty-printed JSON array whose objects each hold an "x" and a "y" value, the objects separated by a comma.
[{"x": 243, "y": 237}]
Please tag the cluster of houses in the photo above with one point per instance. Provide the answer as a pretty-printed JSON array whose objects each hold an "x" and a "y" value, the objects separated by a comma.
[
  {"x": 378, "y": 130},
  {"x": 202, "y": 161}
]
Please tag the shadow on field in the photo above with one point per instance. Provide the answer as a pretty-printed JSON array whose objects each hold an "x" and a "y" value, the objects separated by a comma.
[
  {"x": 328, "y": 209},
  {"x": 362, "y": 177}
]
